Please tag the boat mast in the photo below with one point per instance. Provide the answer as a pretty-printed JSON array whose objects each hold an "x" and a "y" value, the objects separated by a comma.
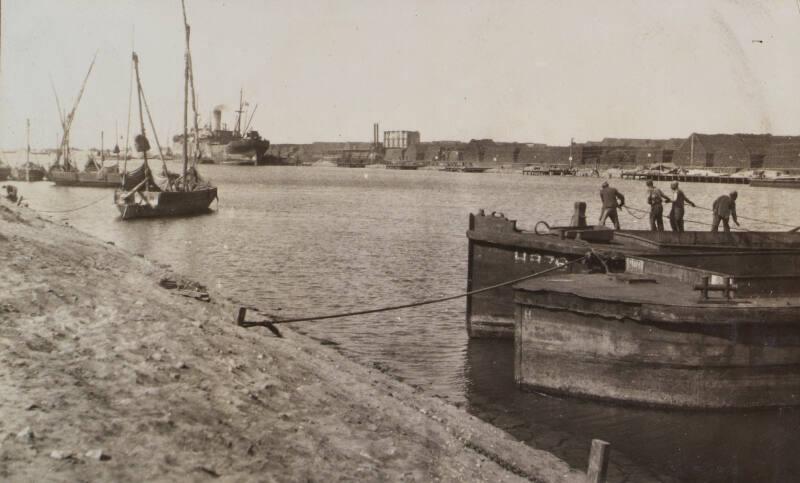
[
  {"x": 102, "y": 151},
  {"x": 190, "y": 70},
  {"x": 691, "y": 150},
  {"x": 28, "y": 137},
  {"x": 141, "y": 120}
]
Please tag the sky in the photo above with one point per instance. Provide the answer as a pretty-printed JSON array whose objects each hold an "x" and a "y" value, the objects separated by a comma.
[{"x": 527, "y": 71}]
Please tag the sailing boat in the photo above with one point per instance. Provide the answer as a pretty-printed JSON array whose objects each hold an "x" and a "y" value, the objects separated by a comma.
[
  {"x": 65, "y": 172},
  {"x": 29, "y": 171},
  {"x": 145, "y": 194}
]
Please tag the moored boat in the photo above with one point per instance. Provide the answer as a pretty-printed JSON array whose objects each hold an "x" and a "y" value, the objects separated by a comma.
[
  {"x": 721, "y": 331},
  {"x": 146, "y": 195},
  {"x": 28, "y": 171},
  {"x": 498, "y": 251}
]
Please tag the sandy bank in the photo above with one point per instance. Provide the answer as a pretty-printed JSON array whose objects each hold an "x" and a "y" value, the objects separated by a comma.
[{"x": 95, "y": 355}]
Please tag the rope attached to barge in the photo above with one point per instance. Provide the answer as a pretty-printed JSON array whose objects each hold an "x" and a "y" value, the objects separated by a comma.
[{"x": 271, "y": 323}]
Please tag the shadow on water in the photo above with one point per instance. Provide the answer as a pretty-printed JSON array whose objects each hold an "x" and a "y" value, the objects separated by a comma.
[{"x": 731, "y": 446}]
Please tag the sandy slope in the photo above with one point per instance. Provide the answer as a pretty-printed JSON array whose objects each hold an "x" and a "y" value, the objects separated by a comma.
[{"x": 94, "y": 354}]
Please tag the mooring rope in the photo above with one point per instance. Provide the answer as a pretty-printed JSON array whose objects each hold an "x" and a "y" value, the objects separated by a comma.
[
  {"x": 73, "y": 209},
  {"x": 421, "y": 303}
]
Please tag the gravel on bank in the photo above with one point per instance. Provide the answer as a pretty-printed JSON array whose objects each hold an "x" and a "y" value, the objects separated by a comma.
[{"x": 105, "y": 375}]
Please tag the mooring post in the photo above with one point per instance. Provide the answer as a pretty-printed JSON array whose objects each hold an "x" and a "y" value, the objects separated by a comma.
[
  {"x": 728, "y": 288},
  {"x": 705, "y": 287},
  {"x": 598, "y": 462},
  {"x": 242, "y": 314}
]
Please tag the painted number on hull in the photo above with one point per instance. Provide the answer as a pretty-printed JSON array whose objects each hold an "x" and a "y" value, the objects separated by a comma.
[{"x": 524, "y": 257}]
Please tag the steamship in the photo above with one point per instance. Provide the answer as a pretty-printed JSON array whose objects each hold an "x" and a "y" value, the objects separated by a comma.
[{"x": 220, "y": 145}]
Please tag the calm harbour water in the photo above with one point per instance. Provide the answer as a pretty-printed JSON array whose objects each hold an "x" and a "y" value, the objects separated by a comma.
[{"x": 306, "y": 241}]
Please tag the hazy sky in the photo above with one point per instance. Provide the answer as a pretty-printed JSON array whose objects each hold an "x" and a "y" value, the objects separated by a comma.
[{"x": 533, "y": 71}]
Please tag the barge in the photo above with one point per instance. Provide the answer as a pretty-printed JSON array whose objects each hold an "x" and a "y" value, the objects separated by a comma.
[
  {"x": 720, "y": 331},
  {"x": 498, "y": 251}
]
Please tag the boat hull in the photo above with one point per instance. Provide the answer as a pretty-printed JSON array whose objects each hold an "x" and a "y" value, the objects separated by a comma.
[
  {"x": 20, "y": 174},
  {"x": 157, "y": 204},
  {"x": 765, "y": 183},
  {"x": 90, "y": 180},
  {"x": 499, "y": 252},
  {"x": 657, "y": 355}
]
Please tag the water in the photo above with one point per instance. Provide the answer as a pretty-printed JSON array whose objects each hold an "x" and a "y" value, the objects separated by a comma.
[{"x": 306, "y": 241}]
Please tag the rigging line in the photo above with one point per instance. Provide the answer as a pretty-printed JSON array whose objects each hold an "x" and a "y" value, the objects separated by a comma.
[
  {"x": 423, "y": 302},
  {"x": 73, "y": 209}
]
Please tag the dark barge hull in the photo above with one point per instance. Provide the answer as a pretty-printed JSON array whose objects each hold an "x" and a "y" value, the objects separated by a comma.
[
  {"x": 498, "y": 251},
  {"x": 89, "y": 180},
  {"x": 157, "y": 204},
  {"x": 657, "y": 343}
]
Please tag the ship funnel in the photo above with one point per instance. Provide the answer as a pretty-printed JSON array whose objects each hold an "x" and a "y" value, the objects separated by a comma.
[{"x": 217, "y": 118}]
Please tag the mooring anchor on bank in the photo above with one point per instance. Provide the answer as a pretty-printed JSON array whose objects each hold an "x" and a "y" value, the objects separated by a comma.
[{"x": 264, "y": 323}]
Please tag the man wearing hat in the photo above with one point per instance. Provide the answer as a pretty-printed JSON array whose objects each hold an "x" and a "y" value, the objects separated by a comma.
[
  {"x": 724, "y": 207},
  {"x": 676, "y": 213},
  {"x": 654, "y": 198},
  {"x": 612, "y": 199}
]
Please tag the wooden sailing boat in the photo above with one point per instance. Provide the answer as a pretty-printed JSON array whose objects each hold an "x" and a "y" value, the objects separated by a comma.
[
  {"x": 65, "y": 171},
  {"x": 29, "y": 171},
  {"x": 145, "y": 194}
]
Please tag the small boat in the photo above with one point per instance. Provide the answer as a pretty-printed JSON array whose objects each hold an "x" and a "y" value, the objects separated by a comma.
[
  {"x": 145, "y": 194},
  {"x": 95, "y": 174},
  {"x": 464, "y": 168},
  {"x": 28, "y": 171},
  {"x": 403, "y": 166}
]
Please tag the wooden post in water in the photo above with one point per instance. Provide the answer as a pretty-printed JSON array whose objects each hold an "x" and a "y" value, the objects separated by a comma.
[{"x": 598, "y": 462}]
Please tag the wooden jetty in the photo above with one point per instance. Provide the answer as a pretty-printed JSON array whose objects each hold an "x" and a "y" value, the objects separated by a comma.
[
  {"x": 498, "y": 251},
  {"x": 721, "y": 331}
]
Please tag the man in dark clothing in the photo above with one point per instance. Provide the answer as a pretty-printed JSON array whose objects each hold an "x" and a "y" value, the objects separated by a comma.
[
  {"x": 612, "y": 199},
  {"x": 654, "y": 198},
  {"x": 724, "y": 207},
  {"x": 676, "y": 213}
]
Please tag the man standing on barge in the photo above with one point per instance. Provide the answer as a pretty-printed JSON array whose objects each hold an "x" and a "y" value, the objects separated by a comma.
[
  {"x": 612, "y": 199},
  {"x": 654, "y": 199},
  {"x": 676, "y": 213},
  {"x": 724, "y": 207}
]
